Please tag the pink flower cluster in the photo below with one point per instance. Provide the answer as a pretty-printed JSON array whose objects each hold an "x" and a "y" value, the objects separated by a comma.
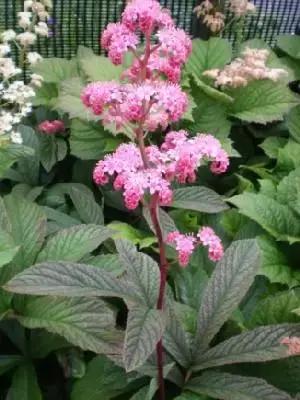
[
  {"x": 177, "y": 159},
  {"x": 293, "y": 344},
  {"x": 186, "y": 244},
  {"x": 147, "y": 16},
  {"x": 154, "y": 103},
  {"x": 51, "y": 127}
]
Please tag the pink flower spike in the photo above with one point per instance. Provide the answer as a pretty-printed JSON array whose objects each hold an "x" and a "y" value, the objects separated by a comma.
[
  {"x": 51, "y": 127},
  {"x": 184, "y": 244},
  {"x": 293, "y": 344},
  {"x": 207, "y": 237}
]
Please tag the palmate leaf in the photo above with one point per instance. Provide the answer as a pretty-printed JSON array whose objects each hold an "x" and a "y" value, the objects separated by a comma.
[
  {"x": 259, "y": 345},
  {"x": 99, "y": 68},
  {"x": 56, "y": 70},
  {"x": 145, "y": 328},
  {"x": 24, "y": 384},
  {"x": 28, "y": 227},
  {"x": 234, "y": 387},
  {"x": 103, "y": 380},
  {"x": 71, "y": 280},
  {"x": 228, "y": 284},
  {"x": 142, "y": 270},
  {"x": 277, "y": 219},
  {"x": 73, "y": 243},
  {"x": 208, "y": 54},
  {"x": 262, "y": 101},
  {"x": 198, "y": 198},
  {"x": 87, "y": 323}
]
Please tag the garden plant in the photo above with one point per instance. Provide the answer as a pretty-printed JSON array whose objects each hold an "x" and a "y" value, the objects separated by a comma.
[{"x": 150, "y": 212}]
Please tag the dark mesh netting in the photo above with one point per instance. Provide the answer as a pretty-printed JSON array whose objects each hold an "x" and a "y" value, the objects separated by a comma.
[{"x": 80, "y": 22}]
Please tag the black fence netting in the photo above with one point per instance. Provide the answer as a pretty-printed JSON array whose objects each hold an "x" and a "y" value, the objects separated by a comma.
[{"x": 80, "y": 22}]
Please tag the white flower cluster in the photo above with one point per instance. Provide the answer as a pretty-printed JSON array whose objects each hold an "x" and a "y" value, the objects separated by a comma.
[
  {"x": 15, "y": 95},
  {"x": 214, "y": 19},
  {"x": 250, "y": 66}
]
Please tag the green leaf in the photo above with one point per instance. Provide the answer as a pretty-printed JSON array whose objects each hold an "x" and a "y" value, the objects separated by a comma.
[
  {"x": 198, "y": 198},
  {"x": 262, "y": 101},
  {"x": 142, "y": 270},
  {"x": 24, "y": 384},
  {"x": 277, "y": 219},
  {"x": 176, "y": 340},
  {"x": 209, "y": 116},
  {"x": 290, "y": 44},
  {"x": 212, "y": 92},
  {"x": 208, "y": 54},
  {"x": 145, "y": 328},
  {"x": 275, "y": 309},
  {"x": 28, "y": 227},
  {"x": 87, "y": 323},
  {"x": 103, "y": 380},
  {"x": 272, "y": 144},
  {"x": 100, "y": 68},
  {"x": 88, "y": 140},
  {"x": 42, "y": 343},
  {"x": 259, "y": 345},
  {"x": 166, "y": 222},
  {"x": 56, "y": 70},
  {"x": 69, "y": 100},
  {"x": 288, "y": 157},
  {"x": 191, "y": 396},
  {"x": 135, "y": 236},
  {"x": 228, "y": 284},
  {"x": 48, "y": 151},
  {"x": 29, "y": 164},
  {"x": 293, "y": 123},
  {"x": 46, "y": 95},
  {"x": 73, "y": 243},
  {"x": 234, "y": 387},
  {"x": 275, "y": 265},
  {"x": 288, "y": 190},
  {"x": 109, "y": 262},
  {"x": 9, "y": 362},
  {"x": 6, "y": 161},
  {"x": 292, "y": 65},
  {"x": 70, "y": 279},
  {"x": 89, "y": 211},
  {"x": 63, "y": 220},
  {"x": 267, "y": 188},
  {"x": 8, "y": 249}
]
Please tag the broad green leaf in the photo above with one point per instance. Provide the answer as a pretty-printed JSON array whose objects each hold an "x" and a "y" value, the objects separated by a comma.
[
  {"x": 46, "y": 95},
  {"x": 275, "y": 265},
  {"x": 145, "y": 328},
  {"x": 234, "y": 387},
  {"x": 6, "y": 161},
  {"x": 87, "y": 323},
  {"x": 89, "y": 211},
  {"x": 288, "y": 190},
  {"x": 142, "y": 270},
  {"x": 88, "y": 140},
  {"x": 290, "y": 44},
  {"x": 187, "y": 317},
  {"x": 100, "y": 68},
  {"x": 288, "y": 157},
  {"x": 8, "y": 249},
  {"x": 277, "y": 219},
  {"x": 262, "y": 101},
  {"x": 212, "y": 92},
  {"x": 126, "y": 231},
  {"x": 191, "y": 396},
  {"x": 63, "y": 220},
  {"x": 48, "y": 151},
  {"x": 29, "y": 164},
  {"x": 292, "y": 65},
  {"x": 293, "y": 123},
  {"x": 260, "y": 345},
  {"x": 209, "y": 116},
  {"x": 28, "y": 227},
  {"x": 103, "y": 380},
  {"x": 69, "y": 100},
  {"x": 24, "y": 384},
  {"x": 232, "y": 221},
  {"x": 70, "y": 279},
  {"x": 42, "y": 343},
  {"x": 228, "y": 284},
  {"x": 275, "y": 309},
  {"x": 208, "y": 54},
  {"x": 8, "y": 362},
  {"x": 109, "y": 262},
  {"x": 73, "y": 243},
  {"x": 272, "y": 144},
  {"x": 198, "y": 198},
  {"x": 56, "y": 70},
  {"x": 176, "y": 340}
]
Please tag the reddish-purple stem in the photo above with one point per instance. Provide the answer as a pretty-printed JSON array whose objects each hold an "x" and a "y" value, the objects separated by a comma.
[{"x": 156, "y": 225}]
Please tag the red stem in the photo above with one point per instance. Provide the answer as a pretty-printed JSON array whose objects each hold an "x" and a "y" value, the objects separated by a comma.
[{"x": 156, "y": 225}]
